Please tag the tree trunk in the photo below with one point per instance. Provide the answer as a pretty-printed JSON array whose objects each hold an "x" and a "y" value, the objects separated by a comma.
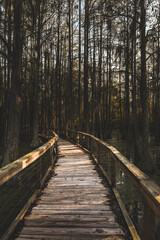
[
  {"x": 157, "y": 105},
  {"x": 127, "y": 104},
  {"x": 11, "y": 151},
  {"x": 79, "y": 72},
  {"x": 70, "y": 69},
  {"x": 35, "y": 137},
  {"x": 93, "y": 77},
  {"x": 134, "y": 90},
  {"x": 109, "y": 77},
  {"x": 86, "y": 105},
  {"x": 146, "y": 163},
  {"x": 100, "y": 82}
]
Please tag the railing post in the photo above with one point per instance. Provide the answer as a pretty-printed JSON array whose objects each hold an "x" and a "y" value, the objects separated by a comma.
[
  {"x": 89, "y": 144},
  {"x": 20, "y": 180},
  {"x": 149, "y": 222},
  {"x": 72, "y": 136},
  {"x": 84, "y": 142},
  {"x": 51, "y": 155},
  {"x": 56, "y": 148},
  {"x": 75, "y": 137},
  {"x": 80, "y": 139},
  {"x": 39, "y": 172},
  {"x": 113, "y": 173},
  {"x": 98, "y": 154}
]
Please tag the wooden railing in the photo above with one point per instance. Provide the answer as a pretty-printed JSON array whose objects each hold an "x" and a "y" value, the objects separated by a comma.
[
  {"x": 21, "y": 181},
  {"x": 137, "y": 195}
]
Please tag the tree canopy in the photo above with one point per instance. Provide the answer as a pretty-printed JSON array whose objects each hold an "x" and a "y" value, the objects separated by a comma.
[{"x": 89, "y": 65}]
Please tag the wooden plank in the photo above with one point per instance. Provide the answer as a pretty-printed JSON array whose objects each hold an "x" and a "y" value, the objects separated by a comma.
[
  {"x": 65, "y": 237},
  {"x": 79, "y": 190},
  {"x": 66, "y": 198},
  {"x": 79, "y": 207},
  {"x": 75, "y": 177},
  {"x": 98, "y": 223},
  {"x": 71, "y": 212},
  {"x": 110, "y": 217},
  {"x": 74, "y": 190},
  {"x": 74, "y": 231},
  {"x": 75, "y": 200}
]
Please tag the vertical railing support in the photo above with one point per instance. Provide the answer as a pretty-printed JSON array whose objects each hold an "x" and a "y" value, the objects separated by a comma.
[
  {"x": 74, "y": 137},
  {"x": 149, "y": 222},
  {"x": 51, "y": 155},
  {"x": 89, "y": 144},
  {"x": 98, "y": 154},
  {"x": 78, "y": 138},
  {"x": 39, "y": 172},
  {"x": 56, "y": 148},
  {"x": 113, "y": 173}
]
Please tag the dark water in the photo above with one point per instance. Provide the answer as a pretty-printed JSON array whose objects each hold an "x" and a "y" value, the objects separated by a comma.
[{"x": 126, "y": 148}]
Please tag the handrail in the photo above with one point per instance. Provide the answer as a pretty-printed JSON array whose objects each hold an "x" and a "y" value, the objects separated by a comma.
[
  {"x": 138, "y": 177},
  {"x": 113, "y": 163},
  {"x": 20, "y": 183},
  {"x": 15, "y": 167}
]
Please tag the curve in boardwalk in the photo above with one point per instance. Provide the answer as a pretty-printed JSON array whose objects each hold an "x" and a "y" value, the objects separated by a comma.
[{"x": 76, "y": 204}]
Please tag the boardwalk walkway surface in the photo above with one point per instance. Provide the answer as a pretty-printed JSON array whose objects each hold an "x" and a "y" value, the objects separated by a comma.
[{"x": 76, "y": 204}]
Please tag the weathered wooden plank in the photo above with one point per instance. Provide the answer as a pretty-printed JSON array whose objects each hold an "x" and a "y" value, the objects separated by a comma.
[
  {"x": 71, "y": 212},
  {"x": 67, "y": 200},
  {"x": 90, "y": 207},
  {"x": 79, "y": 165},
  {"x": 76, "y": 223},
  {"x": 74, "y": 231},
  {"x": 75, "y": 177},
  {"x": 82, "y": 167},
  {"x": 78, "y": 187},
  {"x": 66, "y": 163},
  {"x": 110, "y": 217},
  {"x": 64, "y": 190},
  {"x": 80, "y": 190},
  {"x": 86, "y": 184},
  {"x": 65, "y": 237}
]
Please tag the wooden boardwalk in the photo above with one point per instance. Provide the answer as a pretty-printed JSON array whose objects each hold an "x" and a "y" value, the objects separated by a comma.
[{"x": 76, "y": 204}]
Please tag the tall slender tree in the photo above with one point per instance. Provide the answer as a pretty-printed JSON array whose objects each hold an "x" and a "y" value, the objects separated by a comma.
[
  {"x": 147, "y": 162},
  {"x": 15, "y": 104}
]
